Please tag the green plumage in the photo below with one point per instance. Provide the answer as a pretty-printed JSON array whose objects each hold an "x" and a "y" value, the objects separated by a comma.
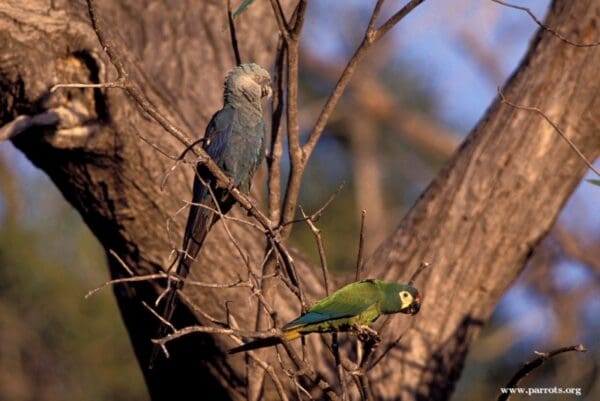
[{"x": 348, "y": 309}]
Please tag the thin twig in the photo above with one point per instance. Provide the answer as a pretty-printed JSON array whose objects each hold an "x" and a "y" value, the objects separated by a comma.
[
  {"x": 113, "y": 84},
  {"x": 361, "y": 243},
  {"x": 365, "y": 387},
  {"x": 159, "y": 317},
  {"x": 233, "y": 35},
  {"x": 422, "y": 266},
  {"x": 554, "y": 125},
  {"x": 147, "y": 277},
  {"x": 535, "y": 363},
  {"x": 306, "y": 370},
  {"x": 544, "y": 27},
  {"x": 199, "y": 310},
  {"x": 121, "y": 262},
  {"x": 298, "y": 18},
  {"x": 266, "y": 366},
  {"x": 387, "y": 349},
  {"x": 335, "y": 347},
  {"x": 316, "y": 215},
  {"x": 284, "y": 29},
  {"x": 215, "y": 330},
  {"x": 178, "y": 161},
  {"x": 224, "y": 216},
  {"x": 317, "y": 233},
  {"x": 397, "y": 17}
]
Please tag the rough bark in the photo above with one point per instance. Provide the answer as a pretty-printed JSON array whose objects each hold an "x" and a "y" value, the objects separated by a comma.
[
  {"x": 477, "y": 223},
  {"x": 481, "y": 218}
]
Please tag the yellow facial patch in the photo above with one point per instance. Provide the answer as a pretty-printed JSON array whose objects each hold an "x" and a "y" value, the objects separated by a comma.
[{"x": 405, "y": 298}]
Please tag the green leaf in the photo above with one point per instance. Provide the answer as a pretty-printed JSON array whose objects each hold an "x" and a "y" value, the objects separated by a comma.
[
  {"x": 242, "y": 7},
  {"x": 595, "y": 182}
]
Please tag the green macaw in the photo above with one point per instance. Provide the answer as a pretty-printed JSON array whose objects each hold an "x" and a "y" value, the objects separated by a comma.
[{"x": 351, "y": 308}]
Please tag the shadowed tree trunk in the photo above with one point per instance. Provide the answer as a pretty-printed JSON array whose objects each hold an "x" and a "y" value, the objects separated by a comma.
[{"x": 477, "y": 223}]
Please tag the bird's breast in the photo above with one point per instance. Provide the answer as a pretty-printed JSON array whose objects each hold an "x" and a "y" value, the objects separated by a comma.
[{"x": 245, "y": 150}]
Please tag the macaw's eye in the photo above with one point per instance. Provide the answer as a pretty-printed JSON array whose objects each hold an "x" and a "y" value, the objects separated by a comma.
[{"x": 404, "y": 295}]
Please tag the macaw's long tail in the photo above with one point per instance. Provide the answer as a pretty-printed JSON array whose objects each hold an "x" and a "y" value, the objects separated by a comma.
[
  {"x": 171, "y": 302},
  {"x": 198, "y": 224},
  {"x": 265, "y": 342}
]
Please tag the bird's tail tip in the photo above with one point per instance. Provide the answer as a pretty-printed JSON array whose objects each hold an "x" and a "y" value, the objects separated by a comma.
[{"x": 288, "y": 335}]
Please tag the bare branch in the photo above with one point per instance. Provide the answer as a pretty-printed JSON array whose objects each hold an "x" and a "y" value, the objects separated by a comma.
[
  {"x": 544, "y": 27},
  {"x": 317, "y": 233},
  {"x": 555, "y": 126},
  {"x": 282, "y": 24},
  {"x": 216, "y": 330},
  {"x": 148, "y": 277},
  {"x": 233, "y": 34},
  {"x": 388, "y": 348},
  {"x": 535, "y": 363},
  {"x": 361, "y": 243},
  {"x": 397, "y": 17},
  {"x": 375, "y": 15},
  {"x": 315, "y": 216},
  {"x": 178, "y": 161},
  {"x": 298, "y": 18},
  {"x": 422, "y": 266},
  {"x": 120, "y": 83},
  {"x": 159, "y": 317},
  {"x": 338, "y": 363},
  {"x": 121, "y": 262}
]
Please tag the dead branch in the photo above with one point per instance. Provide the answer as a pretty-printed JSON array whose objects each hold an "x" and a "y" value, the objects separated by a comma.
[
  {"x": 233, "y": 35},
  {"x": 361, "y": 243},
  {"x": 420, "y": 269},
  {"x": 554, "y": 125},
  {"x": 544, "y": 27},
  {"x": 323, "y": 258},
  {"x": 535, "y": 363}
]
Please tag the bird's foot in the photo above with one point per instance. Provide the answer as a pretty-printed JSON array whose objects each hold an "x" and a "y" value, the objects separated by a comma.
[{"x": 368, "y": 336}]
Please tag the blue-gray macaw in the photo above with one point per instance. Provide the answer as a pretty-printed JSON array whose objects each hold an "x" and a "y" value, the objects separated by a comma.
[{"x": 234, "y": 139}]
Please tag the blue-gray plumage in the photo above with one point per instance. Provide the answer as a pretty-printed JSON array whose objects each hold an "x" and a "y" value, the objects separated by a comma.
[{"x": 234, "y": 140}]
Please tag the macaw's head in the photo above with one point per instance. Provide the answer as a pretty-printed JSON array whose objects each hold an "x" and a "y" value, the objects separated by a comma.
[
  {"x": 402, "y": 298},
  {"x": 247, "y": 83}
]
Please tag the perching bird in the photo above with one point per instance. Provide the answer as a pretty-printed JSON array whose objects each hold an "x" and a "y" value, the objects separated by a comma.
[
  {"x": 234, "y": 140},
  {"x": 351, "y": 308}
]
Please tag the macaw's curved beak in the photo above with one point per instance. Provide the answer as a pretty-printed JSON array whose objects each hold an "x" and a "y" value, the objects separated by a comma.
[
  {"x": 266, "y": 91},
  {"x": 415, "y": 306}
]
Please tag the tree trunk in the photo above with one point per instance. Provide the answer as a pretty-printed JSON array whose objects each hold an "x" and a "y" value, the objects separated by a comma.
[
  {"x": 481, "y": 218},
  {"x": 477, "y": 223}
]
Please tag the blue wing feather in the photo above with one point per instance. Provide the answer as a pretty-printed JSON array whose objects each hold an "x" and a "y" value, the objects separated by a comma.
[{"x": 200, "y": 219}]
